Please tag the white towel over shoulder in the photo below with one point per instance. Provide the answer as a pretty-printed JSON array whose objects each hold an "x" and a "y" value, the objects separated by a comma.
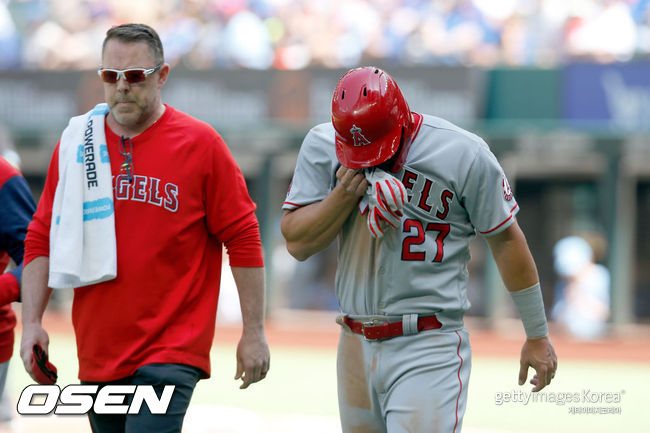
[{"x": 82, "y": 236}]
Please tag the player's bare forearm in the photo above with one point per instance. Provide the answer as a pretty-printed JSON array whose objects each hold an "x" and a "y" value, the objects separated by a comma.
[
  {"x": 253, "y": 357},
  {"x": 513, "y": 258},
  {"x": 518, "y": 271},
  {"x": 251, "y": 288},
  {"x": 312, "y": 228},
  {"x": 35, "y": 295}
]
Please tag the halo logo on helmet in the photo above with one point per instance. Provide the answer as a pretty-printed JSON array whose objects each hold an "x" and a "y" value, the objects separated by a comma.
[
  {"x": 370, "y": 116},
  {"x": 357, "y": 136}
]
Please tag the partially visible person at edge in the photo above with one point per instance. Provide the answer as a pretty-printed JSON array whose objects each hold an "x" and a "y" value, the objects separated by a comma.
[
  {"x": 404, "y": 193},
  {"x": 582, "y": 292},
  {"x": 16, "y": 210},
  {"x": 177, "y": 196}
]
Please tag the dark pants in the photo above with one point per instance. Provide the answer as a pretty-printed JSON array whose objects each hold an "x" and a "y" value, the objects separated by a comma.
[{"x": 158, "y": 375}]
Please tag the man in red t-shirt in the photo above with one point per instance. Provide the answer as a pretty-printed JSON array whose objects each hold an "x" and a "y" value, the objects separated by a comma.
[
  {"x": 178, "y": 196},
  {"x": 15, "y": 214}
]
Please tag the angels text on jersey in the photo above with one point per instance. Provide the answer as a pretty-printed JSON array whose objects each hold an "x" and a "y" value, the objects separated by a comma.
[
  {"x": 427, "y": 195},
  {"x": 146, "y": 189},
  {"x": 432, "y": 201}
]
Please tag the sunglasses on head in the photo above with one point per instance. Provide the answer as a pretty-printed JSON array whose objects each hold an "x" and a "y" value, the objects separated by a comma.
[{"x": 133, "y": 75}]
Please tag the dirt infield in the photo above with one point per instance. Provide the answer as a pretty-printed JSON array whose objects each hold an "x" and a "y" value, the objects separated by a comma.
[{"x": 503, "y": 339}]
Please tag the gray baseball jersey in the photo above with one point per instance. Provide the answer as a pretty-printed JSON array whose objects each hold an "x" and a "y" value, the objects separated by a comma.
[{"x": 455, "y": 187}]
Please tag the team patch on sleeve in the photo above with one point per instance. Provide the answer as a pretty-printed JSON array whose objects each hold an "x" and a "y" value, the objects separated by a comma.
[{"x": 507, "y": 191}]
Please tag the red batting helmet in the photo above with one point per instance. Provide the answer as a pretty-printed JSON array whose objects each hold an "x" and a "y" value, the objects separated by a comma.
[{"x": 370, "y": 116}]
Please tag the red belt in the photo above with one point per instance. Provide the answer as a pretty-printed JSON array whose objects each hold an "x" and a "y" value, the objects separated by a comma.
[{"x": 377, "y": 330}]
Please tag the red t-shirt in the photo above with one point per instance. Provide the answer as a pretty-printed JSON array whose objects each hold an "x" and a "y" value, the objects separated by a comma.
[{"x": 187, "y": 199}]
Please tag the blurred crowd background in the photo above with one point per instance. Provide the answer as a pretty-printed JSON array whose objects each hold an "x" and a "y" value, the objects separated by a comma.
[
  {"x": 295, "y": 34},
  {"x": 560, "y": 89}
]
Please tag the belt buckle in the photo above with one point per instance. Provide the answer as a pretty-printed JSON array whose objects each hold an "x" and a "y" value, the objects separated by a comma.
[{"x": 371, "y": 323}]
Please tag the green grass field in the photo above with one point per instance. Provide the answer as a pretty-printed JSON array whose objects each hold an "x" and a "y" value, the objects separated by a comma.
[{"x": 301, "y": 388}]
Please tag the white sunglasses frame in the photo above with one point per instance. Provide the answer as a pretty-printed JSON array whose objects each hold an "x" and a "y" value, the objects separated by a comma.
[{"x": 120, "y": 73}]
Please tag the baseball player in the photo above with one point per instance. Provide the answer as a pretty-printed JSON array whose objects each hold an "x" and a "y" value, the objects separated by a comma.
[{"x": 405, "y": 193}]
